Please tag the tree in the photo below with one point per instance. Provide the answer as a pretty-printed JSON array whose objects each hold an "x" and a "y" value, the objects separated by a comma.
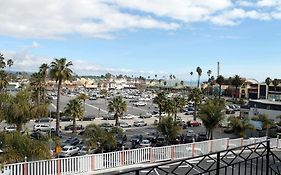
[
  {"x": 18, "y": 110},
  {"x": 179, "y": 104},
  {"x": 119, "y": 106},
  {"x": 182, "y": 83},
  {"x": 3, "y": 80},
  {"x": 268, "y": 82},
  {"x": 37, "y": 85},
  {"x": 75, "y": 110},
  {"x": 10, "y": 62},
  {"x": 196, "y": 97},
  {"x": 275, "y": 83},
  {"x": 83, "y": 97},
  {"x": 160, "y": 100},
  {"x": 240, "y": 126},
  {"x": 211, "y": 115},
  {"x": 236, "y": 81},
  {"x": 266, "y": 123},
  {"x": 169, "y": 128},
  {"x": 209, "y": 72},
  {"x": 43, "y": 70},
  {"x": 2, "y": 62},
  {"x": 99, "y": 138},
  {"x": 60, "y": 71},
  {"x": 16, "y": 147},
  {"x": 220, "y": 81},
  {"x": 199, "y": 72}
]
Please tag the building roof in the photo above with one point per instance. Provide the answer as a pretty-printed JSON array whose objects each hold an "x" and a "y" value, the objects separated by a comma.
[{"x": 270, "y": 102}]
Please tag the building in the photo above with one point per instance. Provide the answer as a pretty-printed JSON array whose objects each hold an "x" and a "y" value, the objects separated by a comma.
[{"x": 270, "y": 108}]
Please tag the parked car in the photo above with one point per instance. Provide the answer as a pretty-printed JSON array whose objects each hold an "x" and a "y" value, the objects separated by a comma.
[
  {"x": 128, "y": 116},
  {"x": 139, "y": 123},
  {"x": 146, "y": 115},
  {"x": 145, "y": 143},
  {"x": 10, "y": 128},
  {"x": 68, "y": 151},
  {"x": 109, "y": 117},
  {"x": 228, "y": 130},
  {"x": 88, "y": 118},
  {"x": 92, "y": 98},
  {"x": 201, "y": 137},
  {"x": 65, "y": 119},
  {"x": 106, "y": 125},
  {"x": 193, "y": 123},
  {"x": 42, "y": 127},
  {"x": 43, "y": 120},
  {"x": 70, "y": 127},
  {"x": 124, "y": 125},
  {"x": 139, "y": 104},
  {"x": 74, "y": 141},
  {"x": 36, "y": 135}
]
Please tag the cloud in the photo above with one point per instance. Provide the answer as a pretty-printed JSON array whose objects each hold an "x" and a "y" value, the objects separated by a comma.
[
  {"x": 54, "y": 19},
  {"x": 35, "y": 44}
]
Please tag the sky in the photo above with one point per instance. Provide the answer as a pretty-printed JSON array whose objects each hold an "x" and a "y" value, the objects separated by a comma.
[{"x": 145, "y": 37}]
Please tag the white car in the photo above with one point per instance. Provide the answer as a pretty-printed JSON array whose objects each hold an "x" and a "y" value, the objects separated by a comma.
[
  {"x": 124, "y": 125},
  {"x": 139, "y": 104},
  {"x": 140, "y": 123},
  {"x": 129, "y": 116},
  {"x": 42, "y": 127},
  {"x": 145, "y": 143},
  {"x": 10, "y": 128},
  {"x": 68, "y": 151}
]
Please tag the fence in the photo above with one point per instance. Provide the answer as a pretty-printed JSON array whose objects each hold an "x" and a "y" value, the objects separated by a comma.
[{"x": 96, "y": 162}]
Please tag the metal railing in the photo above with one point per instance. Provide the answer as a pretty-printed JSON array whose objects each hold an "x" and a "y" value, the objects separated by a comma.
[
  {"x": 99, "y": 162},
  {"x": 250, "y": 159}
]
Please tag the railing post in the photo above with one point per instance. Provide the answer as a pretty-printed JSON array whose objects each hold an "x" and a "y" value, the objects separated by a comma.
[
  {"x": 93, "y": 163},
  {"x": 150, "y": 154},
  {"x": 137, "y": 172},
  {"x": 218, "y": 164},
  {"x": 267, "y": 156},
  {"x": 172, "y": 152},
  {"x": 25, "y": 166},
  {"x": 59, "y": 167}
]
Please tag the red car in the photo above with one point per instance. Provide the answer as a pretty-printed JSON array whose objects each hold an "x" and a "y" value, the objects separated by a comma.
[{"x": 193, "y": 123}]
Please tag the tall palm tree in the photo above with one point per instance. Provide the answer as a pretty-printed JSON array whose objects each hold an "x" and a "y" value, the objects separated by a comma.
[
  {"x": 199, "y": 72},
  {"x": 236, "y": 81},
  {"x": 119, "y": 106},
  {"x": 182, "y": 83},
  {"x": 75, "y": 110},
  {"x": 275, "y": 83},
  {"x": 268, "y": 82},
  {"x": 160, "y": 100},
  {"x": 169, "y": 128},
  {"x": 220, "y": 81},
  {"x": 37, "y": 84},
  {"x": 196, "y": 97},
  {"x": 2, "y": 62},
  {"x": 209, "y": 72},
  {"x": 10, "y": 62},
  {"x": 179, "y": 104},
  {"x": 240, "y": 126},
  {"x": 211, "y": 115},
  {"x": 43, "y": 70},
  {"x": 3, "y": 80},
  {"x": 60, "y": 71},
  {"x": 191, "y": 73}
]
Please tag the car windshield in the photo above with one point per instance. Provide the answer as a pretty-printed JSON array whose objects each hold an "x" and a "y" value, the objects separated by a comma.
[{"x": 64, "y": 149}]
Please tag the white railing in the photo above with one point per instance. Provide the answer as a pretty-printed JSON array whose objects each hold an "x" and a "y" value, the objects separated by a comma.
[{"x": 91, "y": 163}]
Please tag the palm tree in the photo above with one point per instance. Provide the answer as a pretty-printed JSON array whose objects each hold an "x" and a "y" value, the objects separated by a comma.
[
  {"x": 169, "y": 128},
  {"x": 75, "y": 110},
  {"x": 179, "y": 104},
  {"x": 3, "y": 80},
  {"x": 268, "y": 82},
  {"x": 211, "y": 115},
  {"x": 209, "y": 72},
  {"x": 119, "y": 106},
  {"x": 240, "y": 126},
  {"x": 160, "y": 100},
  {"x": 191, "y": 73},
  {"x": 275, "y": 83},
  {"x": 220, "y": 81},
  {"x": 199, "y": 72},
  {"x": 196, "y": 97},
  {"x": 10, "y": 62},
  {"x": 236, "y": 81},
  {"x": 43, "y": 70},
  {"x": 2, "y": 62},
  {"x": 60, "y": 71},
  {"x": 182, "y": 83},
  {"x": 83, "y": 97},
  {"x": 37, "y": 84}
]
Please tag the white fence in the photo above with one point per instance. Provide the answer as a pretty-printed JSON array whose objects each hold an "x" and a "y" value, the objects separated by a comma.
[{"x": 95, "y": 162}]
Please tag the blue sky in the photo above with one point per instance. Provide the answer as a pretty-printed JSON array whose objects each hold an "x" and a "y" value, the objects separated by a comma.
[{"x": 145, "y": 37}]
